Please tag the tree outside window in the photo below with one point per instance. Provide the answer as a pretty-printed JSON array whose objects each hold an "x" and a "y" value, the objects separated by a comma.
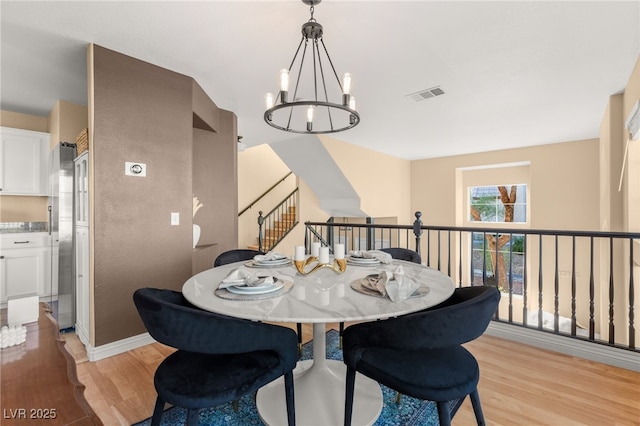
[{"x": 493, "y": 252}]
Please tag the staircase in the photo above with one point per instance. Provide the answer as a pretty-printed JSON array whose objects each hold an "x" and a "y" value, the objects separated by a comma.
[{"x": 277, "y": 228}]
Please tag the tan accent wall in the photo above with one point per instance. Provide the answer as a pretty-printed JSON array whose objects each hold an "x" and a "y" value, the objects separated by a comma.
[
  {"x": 563, "y": 192},
  {"x": 143, "y": 113},
  {"x": 215, "y": 183},
  {"x": 23, "y": 121},
  {"x": 66, "y": 120},
  {"x": 383, "y": 182},
  {"x": 259, "y": 168},
  {"x": 20, "y": 208}
]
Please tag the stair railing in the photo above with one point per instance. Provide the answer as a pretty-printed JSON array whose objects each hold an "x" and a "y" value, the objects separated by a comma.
[
  {"x": 275, "y": 225},
  {"x": 271, "y": 188}
]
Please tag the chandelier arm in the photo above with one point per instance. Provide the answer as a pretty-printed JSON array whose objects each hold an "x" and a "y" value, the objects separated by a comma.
[
  {"x": 331, "y": 63},
  {"x": 314, "y": 47},
  {"x": 295, "y": 91},
  {"x": 297, "y": 51},
  {"x": 324, "y": 85}
]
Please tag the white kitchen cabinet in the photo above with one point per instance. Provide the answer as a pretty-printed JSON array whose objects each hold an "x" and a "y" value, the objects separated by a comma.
[
  {"x": 82, "y": 284},
  {"x": 25, "y": 265},
  {"x": 24, "y": 161}
]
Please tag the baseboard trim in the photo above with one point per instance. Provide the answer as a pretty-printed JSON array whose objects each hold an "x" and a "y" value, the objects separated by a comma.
[
  {"x": 120, "y": 346},
  {"x": 568, "y": 346}
]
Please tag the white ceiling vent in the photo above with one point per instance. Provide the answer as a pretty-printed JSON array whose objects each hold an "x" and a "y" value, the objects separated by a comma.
[{"x": 426, "y": 94}]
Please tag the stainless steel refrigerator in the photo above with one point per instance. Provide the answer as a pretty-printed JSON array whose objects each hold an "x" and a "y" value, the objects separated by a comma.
[{"x": 61, "y": 212}]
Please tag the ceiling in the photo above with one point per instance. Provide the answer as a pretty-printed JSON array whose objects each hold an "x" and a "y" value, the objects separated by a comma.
[{"x": 514, "y": 73}]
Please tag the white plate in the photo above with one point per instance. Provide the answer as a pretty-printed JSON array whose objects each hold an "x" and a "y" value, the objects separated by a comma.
[
  {"x": 258, "y": 289},
  {"x": 272, "y": 262},
  {"x": 362, "y": 260},
  {"x": 268, "y": 263}
]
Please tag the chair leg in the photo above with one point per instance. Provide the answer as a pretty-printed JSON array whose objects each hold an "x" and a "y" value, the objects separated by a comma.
[
  {"x": 157, "y": 412},
  {"x": 299, "y": 330},
  {"x": 340, "y": 333},
  {"x": 443, "y": 413},
  {"x": 477, "y": 408},
  {"x": 193, "y": 417},
  {"x": 289, "y": 396},
  {"x": 348, "y": 401}
]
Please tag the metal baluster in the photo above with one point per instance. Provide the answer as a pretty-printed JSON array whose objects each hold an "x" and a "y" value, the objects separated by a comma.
[
  {"x": 510, "y": 307},
  {"x": 438, "y": 250},
  {"x": 592, "y": 323},
  {"x": 556, "y": 291},
  {"x": 449, "y": 253},
  {"x": 573, "y": 286},
  {"x": 460, "y": 258},
  {"x": 540, "y": 282},
  {"x": 525, "y": 295},
  {"x": 632, "y": 330},
  {"x": 612, "y": 328}
]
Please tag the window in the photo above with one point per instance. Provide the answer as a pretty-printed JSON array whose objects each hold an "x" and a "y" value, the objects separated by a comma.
[
  {"x": 498, "y": 259},
  {"x": 498, "y": 203}
]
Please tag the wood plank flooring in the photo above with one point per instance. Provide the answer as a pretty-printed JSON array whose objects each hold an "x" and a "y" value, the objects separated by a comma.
[{"x": 519, "y": 385}]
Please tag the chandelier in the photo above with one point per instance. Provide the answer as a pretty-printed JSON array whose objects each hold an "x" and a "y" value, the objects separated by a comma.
[{"x": 310, "y": 110}]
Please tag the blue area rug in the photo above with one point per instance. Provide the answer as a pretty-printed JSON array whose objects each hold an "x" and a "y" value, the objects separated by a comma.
[{"x": 410, "y": 411}]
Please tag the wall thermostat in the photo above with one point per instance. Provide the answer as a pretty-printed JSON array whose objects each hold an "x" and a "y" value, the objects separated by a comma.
[{"x": 135, "y": 169}]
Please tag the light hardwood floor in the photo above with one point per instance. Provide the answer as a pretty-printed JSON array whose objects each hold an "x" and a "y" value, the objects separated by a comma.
[{"x": 519, "y": 385}]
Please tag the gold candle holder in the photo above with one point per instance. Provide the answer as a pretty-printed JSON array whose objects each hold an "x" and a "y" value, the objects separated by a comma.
[{"x": 338, "y": 266}]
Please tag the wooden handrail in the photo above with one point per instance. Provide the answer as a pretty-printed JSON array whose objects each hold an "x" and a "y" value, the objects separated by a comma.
[{"x": 264, "y": 194}]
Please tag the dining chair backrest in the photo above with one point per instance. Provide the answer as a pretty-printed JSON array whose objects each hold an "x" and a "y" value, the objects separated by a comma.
[
  {"x": 235, "y": 255},
  {"x": 172, "y": 320},
  {"x": 403, "y": 254},
  {"x": 461, "y": 318}
]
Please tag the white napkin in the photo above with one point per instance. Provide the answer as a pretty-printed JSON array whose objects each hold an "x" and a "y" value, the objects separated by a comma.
[
  {"x": 269, "y": 256},
  {"x": 244, "y": 278},
  {"x": 372, "y": 254},
  {"x": 393, "y": 284}
]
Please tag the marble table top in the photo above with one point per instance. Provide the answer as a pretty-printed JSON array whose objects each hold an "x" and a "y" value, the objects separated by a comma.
[{"x": 320, "y": 297}]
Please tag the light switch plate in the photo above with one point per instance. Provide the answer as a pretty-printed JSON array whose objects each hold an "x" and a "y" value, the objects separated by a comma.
[
  {"x": 175, "y": 218},
  {"x": 135, "y": 169}
]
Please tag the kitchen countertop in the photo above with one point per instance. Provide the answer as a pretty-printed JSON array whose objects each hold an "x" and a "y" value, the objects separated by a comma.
[{"x": 23, "y": 227}]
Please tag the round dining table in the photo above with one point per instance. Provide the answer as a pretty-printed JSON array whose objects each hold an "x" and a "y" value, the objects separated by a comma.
[{"x": 321, "y": 297}]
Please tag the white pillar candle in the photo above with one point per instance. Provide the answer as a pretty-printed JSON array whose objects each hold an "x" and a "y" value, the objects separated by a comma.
[
  {"x": 324, "y": 255},
  {"x": 338, "y": 251},
  {"x": 315, "y": 249},
  {"x": 299, "y": 253}
]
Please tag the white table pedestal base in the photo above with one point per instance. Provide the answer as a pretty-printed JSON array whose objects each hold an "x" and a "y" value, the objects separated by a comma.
[{"x": 320, "y": 392}]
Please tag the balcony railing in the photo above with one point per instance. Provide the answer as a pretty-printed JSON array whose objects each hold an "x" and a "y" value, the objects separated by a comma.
[{"x": 577, "y": 284}]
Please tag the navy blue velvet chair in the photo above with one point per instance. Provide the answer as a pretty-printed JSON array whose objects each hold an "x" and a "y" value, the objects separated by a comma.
[
  {"x": 237, "y": 255},
  {"x": 403, "y": 254},
  {"x": 420, "y": 354},
  {"x": 396, "y": 253},
  {"x": 219, "y": 358}
]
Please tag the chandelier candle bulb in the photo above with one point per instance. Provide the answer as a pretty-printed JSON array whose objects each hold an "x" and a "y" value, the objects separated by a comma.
[
  {"x": 346, "y": 83},
  {"x": 323, "y": 258},
  {"x": 269, "y": 100},
  {"x": 284, "y": 80}
]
